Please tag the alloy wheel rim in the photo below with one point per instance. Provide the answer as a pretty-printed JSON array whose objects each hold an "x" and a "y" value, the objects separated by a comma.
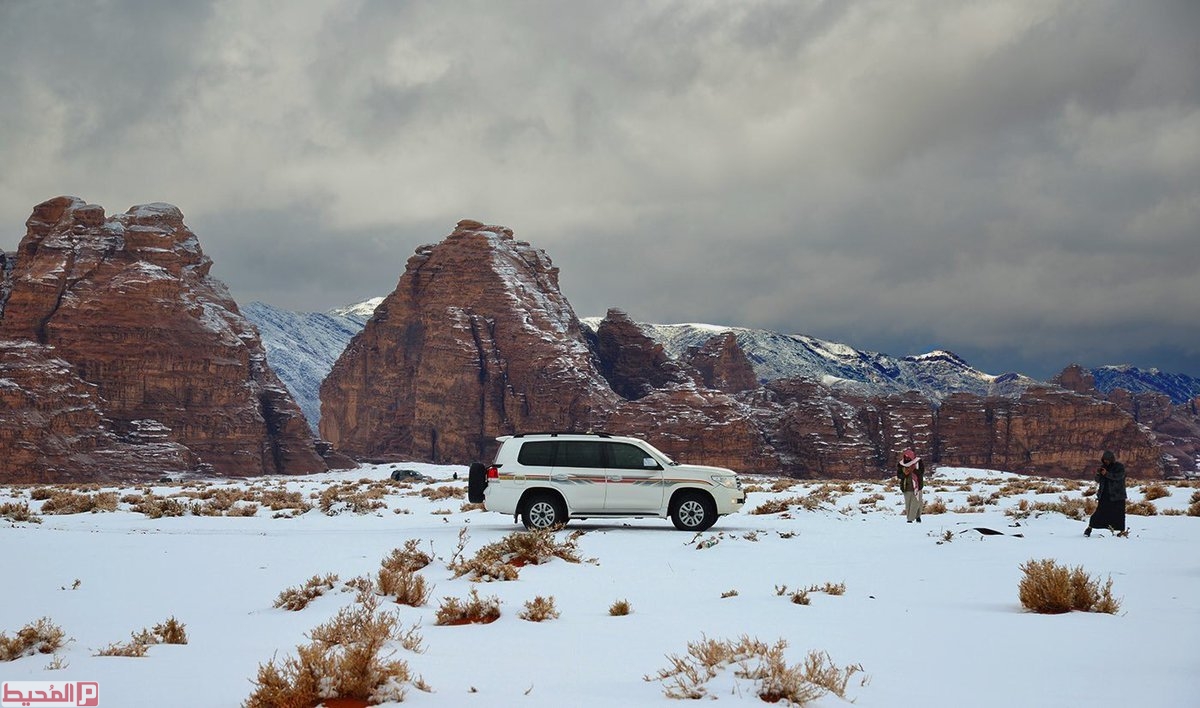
[{"x": 691, "y": 513}]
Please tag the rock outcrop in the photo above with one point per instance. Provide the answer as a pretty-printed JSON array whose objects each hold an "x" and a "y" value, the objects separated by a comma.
[
  {"x": 477, "y": 341},
  {"x": 169, "y": 364}
]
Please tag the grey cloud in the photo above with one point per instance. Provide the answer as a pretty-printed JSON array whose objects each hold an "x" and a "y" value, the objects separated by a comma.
[{"x": 1018, "y": 182}]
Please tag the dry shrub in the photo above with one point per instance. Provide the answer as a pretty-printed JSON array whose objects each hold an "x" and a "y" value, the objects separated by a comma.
[
  {"x": 829, "y": 588},
  {"x": 130, "y": 649},
  {"x": 871, "y": 500},
  {"x": 348, "y": 497},
  {"x": 503, "y": 559},
  {"x": 775, "y": 680},
  {"x": 937, "y": 505},
  {"x": 344, "y": 660},
  {"x": 297, "y": 598},
  {"x": 539, "y": 609},
  {"x": 729, "y": 593},
  {"x": 472, "y": 611},
  {"x": 171, "y": 631},
  {"x": 1077, "y": 508},
  {"x": 17, "y": 512},
  {"x": 156, "y": 507},
  {"x": 1141, "y": 508},
  {"x": 800, "y": 597},
  {"x": 409, "y": 557},
  {"x": 39, "y": 637},
  {"x": 620, "y": 608},
  {"x": 784, "y": 484},
  {"x": 283, "y": 500},
  {"x": 1155, "y": 490},
  {"x": 1049, "y": 588},
  {"x": 445, "y": 491},
  {"x": 407, "y": 587},
  {"x": 61, "y": 501},
  {"x": 776, "y": 506}
]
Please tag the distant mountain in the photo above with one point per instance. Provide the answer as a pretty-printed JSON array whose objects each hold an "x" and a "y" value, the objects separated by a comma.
[
  {"x": 1180, "y": 387},
  {"x": 778, "y": 356},
  {"x": 302, "y": 346}
]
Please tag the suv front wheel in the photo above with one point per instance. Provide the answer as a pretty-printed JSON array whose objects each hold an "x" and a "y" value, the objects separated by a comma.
[
  {"x": 543, "y": 511},
  {"x": 694, "y": 511}
]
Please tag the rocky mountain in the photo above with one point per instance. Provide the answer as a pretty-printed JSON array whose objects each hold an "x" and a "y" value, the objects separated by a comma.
[
  {"x": 302, "y": 346},
  {"x": 122, "y": 356},
  {"x": 1180, "y": 388},
  {"x": 779, "y": 356},
  {"x": 477, "y": 341}
]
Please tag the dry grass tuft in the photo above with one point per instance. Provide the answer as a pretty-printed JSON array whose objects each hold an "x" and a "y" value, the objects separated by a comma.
[
  {"x": 503, "y": 559},
  {"x": 39, "y": 637},
  {"x": 1049, "y": 588},
  {"x": 620, "y": 608},
  {"x": 19, "y": 512},
  {"x": 539, "y": 609},
  {"x": 937, "y": 505},
  {"x": 171, "y": 631},
  {"x": 729, "y": 593},
  {"x": 445, "y": 491},
  {"x": 1141, "y": 508},
  {"x": 407, "y": 587},
  {"x": 297, "y": 598},
  {"x": 775, "y": 680},
  {"x": 1155, "y": 490},
  {"x": 472, "y": 611},
  {"x": 63, "y": 501},
  {"x": 344, "y": 660}
]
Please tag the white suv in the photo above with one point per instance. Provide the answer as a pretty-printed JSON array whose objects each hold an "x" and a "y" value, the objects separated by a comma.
[{"x": 548, "y": 478}]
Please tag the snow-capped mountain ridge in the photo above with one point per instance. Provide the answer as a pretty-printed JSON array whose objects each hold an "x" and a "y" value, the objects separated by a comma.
[
  {"x": 773, "y": 355},
  {"x": 1180, "y": 387}
]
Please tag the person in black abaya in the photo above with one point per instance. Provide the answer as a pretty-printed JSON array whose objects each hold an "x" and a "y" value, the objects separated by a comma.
[{"x": 1110, "y": 496}]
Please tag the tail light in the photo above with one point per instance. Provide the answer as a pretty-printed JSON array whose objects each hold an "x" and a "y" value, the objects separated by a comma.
[{"x": 493, "y": 472}]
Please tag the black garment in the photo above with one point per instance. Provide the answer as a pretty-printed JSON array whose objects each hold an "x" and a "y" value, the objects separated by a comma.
[{"x": 1110, "y": 498}]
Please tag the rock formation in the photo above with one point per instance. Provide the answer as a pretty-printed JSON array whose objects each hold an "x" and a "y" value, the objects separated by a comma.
[
  {"x": 477, "y": 341},
  {"x": 153, "y": 343}
]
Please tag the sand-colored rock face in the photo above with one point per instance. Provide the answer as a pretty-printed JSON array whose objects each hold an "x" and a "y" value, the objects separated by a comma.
[
  {"x": 128, "y": 303},
  {"x": 478, "y": 341}
]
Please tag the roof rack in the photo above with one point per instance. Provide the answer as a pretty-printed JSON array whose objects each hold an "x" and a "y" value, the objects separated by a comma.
[{"x": 556, "y": 433}]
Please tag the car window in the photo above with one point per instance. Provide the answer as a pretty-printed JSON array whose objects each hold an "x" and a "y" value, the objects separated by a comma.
[
  {"x": 627, "y": 457},
  {"x": 537, "y": 454},
  {"x": 578, "y": 453}
]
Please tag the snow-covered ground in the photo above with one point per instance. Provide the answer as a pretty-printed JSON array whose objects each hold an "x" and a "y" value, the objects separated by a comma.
[{"x": 930, "y": 611}]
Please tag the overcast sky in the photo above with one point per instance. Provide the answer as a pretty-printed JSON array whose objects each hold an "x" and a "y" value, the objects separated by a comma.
[{"x": 1017, "y": 182}]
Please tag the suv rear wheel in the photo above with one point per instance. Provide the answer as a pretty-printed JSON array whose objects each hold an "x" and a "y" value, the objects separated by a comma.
[
  {"x": 543, "y": 511},
  {"x": 693, "y": 511}
]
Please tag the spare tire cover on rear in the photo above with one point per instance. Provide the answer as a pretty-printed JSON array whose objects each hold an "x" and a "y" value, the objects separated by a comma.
[{"x": 476, "y": 483}]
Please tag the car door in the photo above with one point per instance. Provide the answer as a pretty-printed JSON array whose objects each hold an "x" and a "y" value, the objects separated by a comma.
[
  {"x": 635, "y": 479},
  {"x": 579, "y": 475}
]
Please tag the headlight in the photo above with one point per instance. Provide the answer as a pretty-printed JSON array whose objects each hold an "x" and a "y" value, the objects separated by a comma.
[{"x": 727, "y": 481}]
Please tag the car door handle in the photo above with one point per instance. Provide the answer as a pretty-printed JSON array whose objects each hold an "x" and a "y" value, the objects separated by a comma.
[{"x": 615, "y": 478}]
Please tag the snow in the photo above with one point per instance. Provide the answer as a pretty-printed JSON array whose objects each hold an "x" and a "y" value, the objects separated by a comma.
[{"x": 930, "y": 610}]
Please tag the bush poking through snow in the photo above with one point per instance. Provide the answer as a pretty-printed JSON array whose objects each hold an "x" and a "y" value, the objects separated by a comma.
[
  {"x": 18, "y": 512},
  {"x": 539, "y": 609},
  {"x": 297, "y": 598},
  {"x": 40, "y": 637},
  {"x": 344, "y": 660},
  {"x": 172, "y": 631},
  {"x": 474, "y": 610},
  {"x": 503, "y": 559},
  {"x": 751, "y": 659},
  {"x": 1049, "y": 588},
  {"x": 62, "y": 501},
  {"x": 407, "y": 587},
  {"x": 620, "y": 608}
]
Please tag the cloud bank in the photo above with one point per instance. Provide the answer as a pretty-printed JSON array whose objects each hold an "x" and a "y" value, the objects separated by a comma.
[{"x": 1015, "y": 181}]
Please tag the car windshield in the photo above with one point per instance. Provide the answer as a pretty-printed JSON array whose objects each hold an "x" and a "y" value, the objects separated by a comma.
[{"x": 661, "y": 455}]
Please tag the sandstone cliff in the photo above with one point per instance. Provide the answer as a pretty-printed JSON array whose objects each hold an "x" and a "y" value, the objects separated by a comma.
[
  {"x": 477, "y": 341},
  {"x": 127, "y": 302}
]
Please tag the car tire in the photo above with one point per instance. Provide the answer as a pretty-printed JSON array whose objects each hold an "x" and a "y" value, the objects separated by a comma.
[
  {"x": 476, "y": 482},
  {"x": 543, "y": 512},
  {"x": 693, "y": 511}
]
